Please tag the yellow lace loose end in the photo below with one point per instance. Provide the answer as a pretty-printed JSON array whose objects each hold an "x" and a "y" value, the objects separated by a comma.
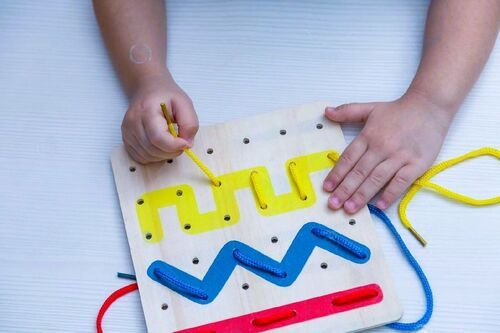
[
  {"x": 188, "y": 151},
  {"x": 424, "y": 181}
]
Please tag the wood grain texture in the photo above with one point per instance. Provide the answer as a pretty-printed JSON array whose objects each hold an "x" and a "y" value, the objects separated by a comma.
[
  {"x": 270, "y": 149},
  {"x": 60, "y": 112}
]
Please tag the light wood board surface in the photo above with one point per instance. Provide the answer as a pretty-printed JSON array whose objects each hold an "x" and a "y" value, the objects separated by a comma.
[{"x": 274, "y": 138}]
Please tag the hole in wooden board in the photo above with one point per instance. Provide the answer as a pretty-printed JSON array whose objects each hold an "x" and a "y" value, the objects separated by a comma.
[
  {"x": 148, "y": 235},
  {"x": 187, "y": 226},
  {"x": 227, "y": 217},
  {"x": 140, "y": 201},
  {"x": 246, "y": 140},
  {"x": 164, "y": 306},
  {"x": 196, "y": 260},
  {"x": 282, "y": 132},
  {"x": 274, "y": 239},
  {"x": 319, "y": 126},
  {"x": 170, "y": 161},
  {"x": 210, "y": 151},
  {"x": 245, "y": 286},
  {"x": 179, "y": 193},
  {"x": 352, "y": 221},
  {"x": 324, "y": 265},
  {"x": 132, "y": 169}
]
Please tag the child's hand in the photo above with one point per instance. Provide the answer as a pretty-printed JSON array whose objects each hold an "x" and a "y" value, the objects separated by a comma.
[
  {"x": 399, "y": 141},
  {"x": 144, "y": 128}
]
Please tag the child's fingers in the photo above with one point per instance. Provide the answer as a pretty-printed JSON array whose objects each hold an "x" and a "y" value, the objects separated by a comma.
[
  {"x": 353, "y": 112},
  {"x": 346, "y": 162},
  {"x": 140, "y": 154},
  {"x": 373, "y": 184},
  {"x": 145, "y": 144},
  {"x": 135, "y": 155},
  {"x": 133, "y": 148},
  {"x": 353, "y": 180},
  {"x": 185, "y": 117},
  {"x": 160, "y": 138},
  {"x": 399, "y": 183}
]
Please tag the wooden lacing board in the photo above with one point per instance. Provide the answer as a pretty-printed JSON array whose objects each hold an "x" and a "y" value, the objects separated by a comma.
[{"x": 174, "y": 215}]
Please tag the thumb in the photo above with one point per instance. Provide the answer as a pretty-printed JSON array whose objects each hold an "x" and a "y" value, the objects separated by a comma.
[
  {"x": 186, "y": 118},
  {"x": 349, "y": 113}
]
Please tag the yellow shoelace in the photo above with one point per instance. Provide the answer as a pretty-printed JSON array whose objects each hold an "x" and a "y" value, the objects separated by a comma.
[
  {"x": 424, "y": 182},
  {"x": 188, "y": 151},
  {"x": 297, "y": 178}
]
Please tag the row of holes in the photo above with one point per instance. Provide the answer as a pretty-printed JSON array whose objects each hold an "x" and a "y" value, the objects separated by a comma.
[
  {"x": 245, "y": 141},
  {"x": 274, "y": 240},
  {"x": 244, "y": 286},
  {"x": 227, "y": 218},
  {"x": 187, "y": 226}
]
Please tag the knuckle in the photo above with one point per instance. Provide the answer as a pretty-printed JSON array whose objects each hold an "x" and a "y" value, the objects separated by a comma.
[
  {"x": 377, "y": 179},
  {"x": 360, "y": 197},
  {"x": 360, "y": 172},
  {"x": 344, "y": 190},
  {"x": 389, "y": 194},
  {"x": 406, "y": 156},
  {"x": 189, "y": 101},
  {"x": 335, "y": 177},
  {"x": 347, "y": 158},
  {"x": 181, "y": 96},
  {"x": 192, "y": 128},
  {"x": 344, "y": 107},
  {"x": 385, "y": 146},
  {"x": 402, "y": 180},
  {"x": 130, "y": 117},
  {"x": 146, "y": 104},
  {"x": 365, "y": 136},
  {"x": 125, "y": 123}
]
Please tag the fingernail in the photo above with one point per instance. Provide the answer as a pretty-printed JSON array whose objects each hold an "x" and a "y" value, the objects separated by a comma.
[
  {"x": 335, "y": 202},
  {"x": 382, "y": 204},
  {"x": 328, "y": 185},
  {"x": 330, "y": 109},
  {"x": 350, "y": 205}
]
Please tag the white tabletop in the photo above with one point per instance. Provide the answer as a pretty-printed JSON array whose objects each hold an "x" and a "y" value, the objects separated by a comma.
[{"x": 62, "y": 236}]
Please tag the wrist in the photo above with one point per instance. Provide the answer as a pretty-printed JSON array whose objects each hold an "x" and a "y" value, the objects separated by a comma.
[
  {"x": 422, "y": 103},
  {"x": 151, "y": 76},
  {"x": 432, "y": 100},
  {"x": 443, "y": 97}
]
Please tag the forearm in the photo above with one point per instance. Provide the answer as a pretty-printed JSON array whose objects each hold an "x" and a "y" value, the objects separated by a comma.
[
  {"x": 135, "y": 34},
  {"x": 459, "y": 37}
]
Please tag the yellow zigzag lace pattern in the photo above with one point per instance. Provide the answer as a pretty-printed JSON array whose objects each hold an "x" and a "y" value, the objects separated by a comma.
[
  {"x": 424, "y": 182},
  {"x": 227, "y": 212}
]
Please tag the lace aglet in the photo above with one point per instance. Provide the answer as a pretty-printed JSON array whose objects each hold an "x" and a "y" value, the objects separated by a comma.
[{"x": 417, "y": 236}]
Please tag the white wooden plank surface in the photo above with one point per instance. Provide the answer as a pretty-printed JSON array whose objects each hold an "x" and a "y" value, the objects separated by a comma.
[{"x": 61, "y": 107}]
